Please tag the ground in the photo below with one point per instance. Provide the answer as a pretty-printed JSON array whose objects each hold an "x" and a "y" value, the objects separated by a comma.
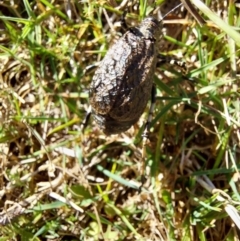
[{"x": 60, "y": 182}]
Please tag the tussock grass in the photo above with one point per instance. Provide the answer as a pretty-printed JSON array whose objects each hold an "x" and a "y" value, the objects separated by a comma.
[{"x": 59, "y": 183}]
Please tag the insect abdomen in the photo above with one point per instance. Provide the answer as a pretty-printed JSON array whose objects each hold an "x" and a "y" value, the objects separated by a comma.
[{"x": 122, "y": 84}]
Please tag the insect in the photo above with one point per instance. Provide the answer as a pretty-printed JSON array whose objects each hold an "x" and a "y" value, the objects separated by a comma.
[{"x": 123, "y": 83}]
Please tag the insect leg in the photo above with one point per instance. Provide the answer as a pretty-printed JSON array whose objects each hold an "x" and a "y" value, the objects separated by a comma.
[
  {"x": 90, "y": 68},
  {"x": 86, "y": 119},
  {"x": 150, "y": 114},
  {"x": 123, "y": 21},
  {"x": 146, "y": 132},
  {"x": 162, "y": 59}
]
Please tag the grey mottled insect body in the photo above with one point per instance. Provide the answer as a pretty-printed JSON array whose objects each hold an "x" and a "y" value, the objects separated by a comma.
[{"x": 121, "y": 86}]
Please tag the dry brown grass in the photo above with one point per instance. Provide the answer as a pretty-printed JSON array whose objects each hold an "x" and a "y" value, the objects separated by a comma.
[{"x": 59, "y": 183}]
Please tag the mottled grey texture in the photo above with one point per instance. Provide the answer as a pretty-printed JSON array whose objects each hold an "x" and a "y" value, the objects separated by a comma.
[{"x": 121, "y": 86}]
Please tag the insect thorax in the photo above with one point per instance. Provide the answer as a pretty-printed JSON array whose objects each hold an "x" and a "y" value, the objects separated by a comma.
[{"x": 151, "y": 28}]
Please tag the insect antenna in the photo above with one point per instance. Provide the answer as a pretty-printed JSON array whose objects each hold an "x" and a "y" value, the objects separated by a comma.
[{"x": 172, "y": 10}]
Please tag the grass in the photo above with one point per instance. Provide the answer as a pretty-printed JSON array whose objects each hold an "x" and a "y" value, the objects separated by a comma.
[{"x": 59, "y": 183}]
